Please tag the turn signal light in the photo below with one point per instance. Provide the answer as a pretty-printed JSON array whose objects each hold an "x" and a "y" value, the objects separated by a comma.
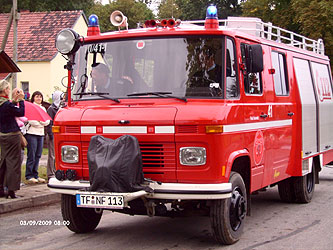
[
  {"x": 214, "y": 129},
  {"x": 56, "y": 129}
]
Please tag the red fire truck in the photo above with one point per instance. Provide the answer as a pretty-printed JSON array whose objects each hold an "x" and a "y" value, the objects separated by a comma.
[{"x": 221, "y": 109}]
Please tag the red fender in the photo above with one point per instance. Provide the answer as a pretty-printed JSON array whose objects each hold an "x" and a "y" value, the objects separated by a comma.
[{"x": 232, "y": 157}]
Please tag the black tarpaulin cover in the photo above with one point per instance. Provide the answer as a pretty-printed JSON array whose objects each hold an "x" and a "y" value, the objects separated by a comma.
[{"x": 115, "y": 165}]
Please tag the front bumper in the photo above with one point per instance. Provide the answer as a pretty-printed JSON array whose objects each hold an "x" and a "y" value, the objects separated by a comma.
[{"x": 168, "y": 191}]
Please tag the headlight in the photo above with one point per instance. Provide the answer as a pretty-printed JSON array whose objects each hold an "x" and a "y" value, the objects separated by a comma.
[
  {"x": 66, "y": 41},
  {"x": 70, "y": 154},
  {"x": 192, "y": 156}
]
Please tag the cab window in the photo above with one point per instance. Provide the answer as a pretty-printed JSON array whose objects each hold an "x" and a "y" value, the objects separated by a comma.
[
  {"x": 232, "y": 88},
  {"x": 280, "y": 73},
  {"x": 252, "y": 81}
]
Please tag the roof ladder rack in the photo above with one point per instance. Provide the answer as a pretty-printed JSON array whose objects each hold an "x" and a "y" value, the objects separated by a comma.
[{"x": 258, "y": 28}]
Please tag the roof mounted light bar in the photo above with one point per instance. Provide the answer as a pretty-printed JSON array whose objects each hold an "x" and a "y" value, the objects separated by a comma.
[{"x": 171, "y": 23}]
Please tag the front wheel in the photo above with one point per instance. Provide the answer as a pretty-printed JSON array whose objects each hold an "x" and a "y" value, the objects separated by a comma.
[
  {"x": 81, "y": 220},
  {"x": 227, "y": 215}
]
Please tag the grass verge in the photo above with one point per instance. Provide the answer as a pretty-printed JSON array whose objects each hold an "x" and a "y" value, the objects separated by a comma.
[{"x": 41, "y": 173}]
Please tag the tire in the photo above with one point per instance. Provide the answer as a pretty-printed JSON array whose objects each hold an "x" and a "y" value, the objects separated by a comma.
[
  {"x": 81, "y": 220},
  {"x": 304, "y": 187},
  {"x": 286, "y": 190},
  {"x": 227, "y": 215},
  {"x": 298, "y": 189}
]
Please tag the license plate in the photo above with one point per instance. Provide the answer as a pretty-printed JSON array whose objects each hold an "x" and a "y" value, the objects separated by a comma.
[{"x": 99, "y": 200}]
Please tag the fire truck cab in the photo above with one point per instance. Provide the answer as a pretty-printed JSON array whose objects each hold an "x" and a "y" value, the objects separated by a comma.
[{"x": 221, "y": 109}]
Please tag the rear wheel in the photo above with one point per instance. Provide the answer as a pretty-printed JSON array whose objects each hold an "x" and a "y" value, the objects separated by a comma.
[
  {"x": 227, "y": 215},
  {"x": 286, "y": 190},
  {"x": 298, "y": 189},
  {"x": 81, "y": 220},
  {"x": 304, "y": 187}
]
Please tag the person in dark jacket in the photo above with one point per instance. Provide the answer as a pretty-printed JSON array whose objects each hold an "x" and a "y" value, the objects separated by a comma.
[
  {"x": 57, "y": 97},
  {"x": 10, "y": 140}
]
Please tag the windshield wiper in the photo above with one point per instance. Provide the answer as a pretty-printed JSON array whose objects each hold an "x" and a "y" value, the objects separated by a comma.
[
  {"x": 159, "y": 94},
  {"x": 99, "y": 94}
]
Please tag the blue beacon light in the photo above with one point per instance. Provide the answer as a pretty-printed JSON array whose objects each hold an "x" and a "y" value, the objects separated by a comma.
[
  {"x": 211, "y": 12},
  {"x": 93, "y": 26},
  {"x": 211, "y": 18},
  {"x": 93, "y": 21}
]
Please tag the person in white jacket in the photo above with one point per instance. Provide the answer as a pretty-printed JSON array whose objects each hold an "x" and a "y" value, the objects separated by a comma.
[{"x": 35, "y": 138}]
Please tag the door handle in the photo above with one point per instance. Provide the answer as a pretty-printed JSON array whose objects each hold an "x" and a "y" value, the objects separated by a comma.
[
  {"x": 264, "y": 116},
  {"x": 290, "y": 113}
]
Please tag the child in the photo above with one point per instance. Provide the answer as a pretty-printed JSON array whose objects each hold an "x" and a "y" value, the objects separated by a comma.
[{"x": 21, "y": 120}]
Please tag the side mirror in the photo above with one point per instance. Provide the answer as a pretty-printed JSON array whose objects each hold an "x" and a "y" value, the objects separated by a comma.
[{"x": 254, "y": 58}]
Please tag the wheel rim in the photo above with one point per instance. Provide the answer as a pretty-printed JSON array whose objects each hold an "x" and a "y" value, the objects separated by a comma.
[
  {"x": 237, "y": 208},
  {"x": 309, "y": 182}
]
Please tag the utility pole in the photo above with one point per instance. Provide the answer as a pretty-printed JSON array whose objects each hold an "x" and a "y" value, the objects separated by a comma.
[
  {"x": 15, "y": 19},
  {"x": 9, "y": 24}
]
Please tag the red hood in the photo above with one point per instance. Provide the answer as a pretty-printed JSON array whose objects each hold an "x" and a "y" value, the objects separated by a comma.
[{"x": 129, "y": 116}]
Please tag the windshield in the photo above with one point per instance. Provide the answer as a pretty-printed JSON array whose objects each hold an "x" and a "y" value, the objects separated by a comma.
[{"x": 184, "y": 67}]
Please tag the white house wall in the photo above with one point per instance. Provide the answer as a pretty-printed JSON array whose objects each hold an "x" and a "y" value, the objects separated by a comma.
[{"x": 38, "y": 76}]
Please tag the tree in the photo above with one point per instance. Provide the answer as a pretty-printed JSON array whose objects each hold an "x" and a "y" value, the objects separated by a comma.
[
  {"x": 196, "y": 9},
  {"x": 47, "y": 5},
  {"x": 136, "y": 11},
  {"x": 103, "y": 13},
  {"x": 311, "y": 18},
  {"x": 168, "y": 9},
  {"x": 316, "y": 21},
  {"x": 6, "y": 6},
  {"x": 278, "y": 12}
]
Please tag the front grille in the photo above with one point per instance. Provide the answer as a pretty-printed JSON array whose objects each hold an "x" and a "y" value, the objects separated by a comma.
[
  {"x": 187, "y": 129},
  {"x": 157, "y": 155},
  {"x": 72, "y": 129},
  {"x": 154, "y": 156},
  {"x": 85, "y": 147}
]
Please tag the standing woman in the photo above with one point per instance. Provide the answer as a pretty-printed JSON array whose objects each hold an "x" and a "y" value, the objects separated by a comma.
[
  {"x": 10, "y": 140},
  {"x": 35, "y": 138}
]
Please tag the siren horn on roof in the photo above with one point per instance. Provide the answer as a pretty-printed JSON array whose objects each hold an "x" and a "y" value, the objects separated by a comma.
[{"x": 118, "y": 19}]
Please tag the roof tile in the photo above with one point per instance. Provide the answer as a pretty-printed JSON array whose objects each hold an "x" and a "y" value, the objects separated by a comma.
[
  {"x": 36, "y": 32},
  {"x": 3, "y": 75}
]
